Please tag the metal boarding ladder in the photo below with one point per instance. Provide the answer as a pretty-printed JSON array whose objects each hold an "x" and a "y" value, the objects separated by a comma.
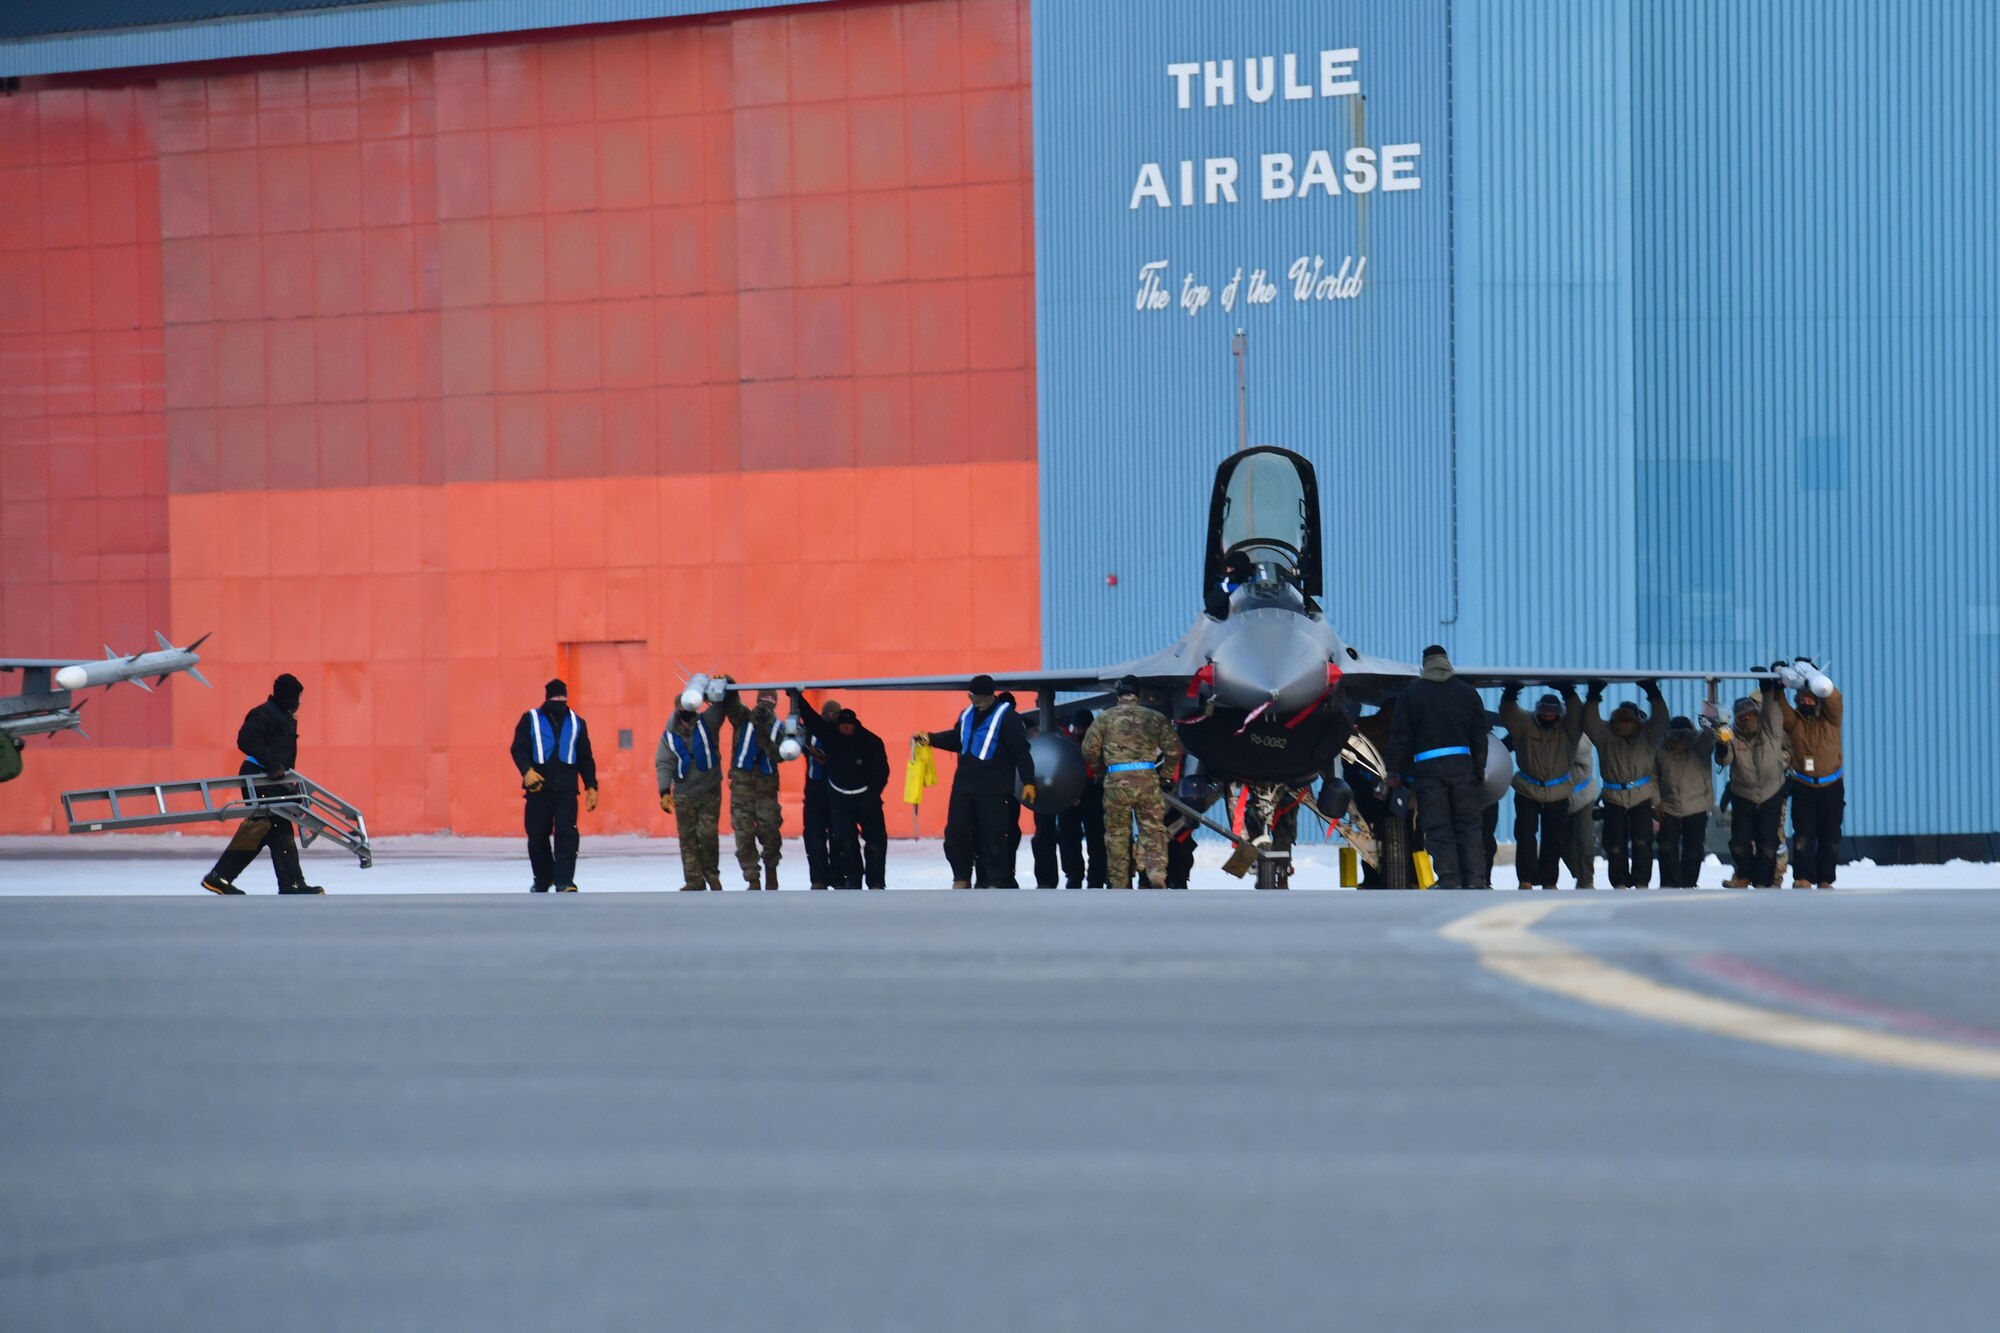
[{"x": 294, "y": 797}]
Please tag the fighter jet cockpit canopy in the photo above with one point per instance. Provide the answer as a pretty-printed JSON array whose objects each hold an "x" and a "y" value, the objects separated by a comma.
[{"x": 1263, "y": 527}]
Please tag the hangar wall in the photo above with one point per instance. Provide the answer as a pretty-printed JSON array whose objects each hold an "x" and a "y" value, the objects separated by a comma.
[
  {"x": 593, "y": 353},
  {"x": 1695, "y": 303}
]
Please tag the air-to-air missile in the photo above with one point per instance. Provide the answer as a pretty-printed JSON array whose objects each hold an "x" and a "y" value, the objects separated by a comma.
[
  {"x": 1804, "y": 674},
  {"x": 116, "y": 667}
]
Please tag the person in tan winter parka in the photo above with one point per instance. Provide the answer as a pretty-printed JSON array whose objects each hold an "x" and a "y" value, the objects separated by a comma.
[
  {"x": 1687, "y": 794},
  {"x": 1628, "y": 758},
  {"x": 1818, "y": 784},
  {"x": 1544, "y": 753},
  {"x": 1754, "y": 754}
]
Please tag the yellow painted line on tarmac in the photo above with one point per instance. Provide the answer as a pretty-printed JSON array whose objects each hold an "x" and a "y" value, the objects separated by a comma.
[{"x": 1506, "y": 942}]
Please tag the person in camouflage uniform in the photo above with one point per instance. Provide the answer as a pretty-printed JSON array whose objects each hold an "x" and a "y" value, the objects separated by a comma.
[
  {"x": 688, "y": 764},
  {"x": 753, "y": 787},
  {"x": 1131, "y": 746}
]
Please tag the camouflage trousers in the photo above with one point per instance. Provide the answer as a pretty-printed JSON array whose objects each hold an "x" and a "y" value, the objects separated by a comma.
[
  {"x": 1129, "y": 797},
  {"x": 755, "y": 816},
  {"x": 695, "y": 817}
]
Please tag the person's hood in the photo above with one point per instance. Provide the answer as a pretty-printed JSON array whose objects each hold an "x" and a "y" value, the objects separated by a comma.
[
  {"x": 1437, "y": 666},
  {"x": 286, "y": 691}
]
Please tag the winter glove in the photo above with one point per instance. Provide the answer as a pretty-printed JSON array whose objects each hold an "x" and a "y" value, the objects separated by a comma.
[
  {"x": 532, "y": 780},
  {"x": 590, "y": 798},
  {"x": 1028, "y": 794},
  {"x": 1650, "y": 686},
  {"x": 1596, "y": 691},
  {"x": 667, "y": 801}
]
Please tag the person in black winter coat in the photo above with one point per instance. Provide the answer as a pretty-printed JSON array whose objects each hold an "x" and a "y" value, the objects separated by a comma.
[
  {"x": 992, "y": 747},
  {"x": 269, "y": 742},
  {"x": 551, "y": 751},
  {"x": 1439, "y": 736},
  {"x": 857, "y": 769}
]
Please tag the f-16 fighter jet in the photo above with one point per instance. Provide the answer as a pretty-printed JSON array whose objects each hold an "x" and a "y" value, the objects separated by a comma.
[{"x": 1267, "y": 698}]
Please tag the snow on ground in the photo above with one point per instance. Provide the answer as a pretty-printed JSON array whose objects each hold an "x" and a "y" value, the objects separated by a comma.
[{"x": 170, "y": 863}]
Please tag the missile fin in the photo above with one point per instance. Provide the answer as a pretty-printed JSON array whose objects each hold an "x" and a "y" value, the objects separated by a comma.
[
  {"x": 199, "y": 642},
  {"x": 140, "y": 681},
  {"x": 196, "y": 673}
]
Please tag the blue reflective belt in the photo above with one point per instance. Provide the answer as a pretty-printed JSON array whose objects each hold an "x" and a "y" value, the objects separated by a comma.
[
  {"x": 1626, "y": 786},
  {"x": 1812, "y": 781},
  {"x": 260, "y": 763},
  {"x": 1445, "y": 752},
  {"x": 1537, "y": 782},
  {"x": 1133, "y": 767}
]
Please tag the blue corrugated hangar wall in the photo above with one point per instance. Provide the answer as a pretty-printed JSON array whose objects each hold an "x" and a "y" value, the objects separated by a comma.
[{"x": 1697, "y": 302}]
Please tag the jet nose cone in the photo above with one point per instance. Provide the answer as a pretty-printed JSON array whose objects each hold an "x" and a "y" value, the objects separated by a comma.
[{"x": 1269, "y": 662}]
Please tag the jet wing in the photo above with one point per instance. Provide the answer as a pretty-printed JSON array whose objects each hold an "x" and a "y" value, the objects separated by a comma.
[
  {"x": 1503, "y": 676},
  {"x": 1021, "y": 682}
]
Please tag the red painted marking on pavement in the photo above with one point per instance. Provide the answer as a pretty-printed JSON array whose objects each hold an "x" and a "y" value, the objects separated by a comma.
[{"x": 1758, "y": 980}]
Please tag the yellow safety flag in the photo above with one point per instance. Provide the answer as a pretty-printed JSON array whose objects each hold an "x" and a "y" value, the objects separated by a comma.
[{"x": 919, "y": 773}]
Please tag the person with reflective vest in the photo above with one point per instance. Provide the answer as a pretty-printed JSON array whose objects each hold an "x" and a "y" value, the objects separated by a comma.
[
  {"x": 551, "y": 752},
  {"x": 1754, "y": 754},
  {"x": 1544, "y": 756},
  {"x": 754, "y": 814},
  {"x": 1818, "y": 783},
  {"x": 1628, "y": 749},
  {"x": 1439, "y": 737},
  {"x": 993, "y": 754},
  {"x": 688, "y": 765},
  {"x": 817, "y": 815},
  {"x": 269, "y": 743},
  {"x": 1138, "y": 752},
  {"x": 857, "y": 771}
]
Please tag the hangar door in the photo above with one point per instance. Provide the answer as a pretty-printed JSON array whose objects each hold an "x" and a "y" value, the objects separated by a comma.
[{"x": 608, "y": 685}]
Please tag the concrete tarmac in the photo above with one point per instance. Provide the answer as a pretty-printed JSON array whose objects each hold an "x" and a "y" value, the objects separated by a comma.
[{"x": 1097, "y": 1111}]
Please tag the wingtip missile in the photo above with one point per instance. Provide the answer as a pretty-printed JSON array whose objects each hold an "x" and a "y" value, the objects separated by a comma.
[{"x": 116, "y": 667}]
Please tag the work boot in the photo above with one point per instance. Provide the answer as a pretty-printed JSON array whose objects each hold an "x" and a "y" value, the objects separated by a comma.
[
  {"x": 565, "y": 888},
  {"x": 715, "y": 883},
  {"x": 538, "y": 887},
  {"x": 215, "y": 884},
  {"x": 771, "y": 877},
  {"x": 694, "y": 888},
  {"x": 302, "y": 888},
  {"x": 1736, "y": 882},
  {"x": 961, "y": 884},
  {"x": 751, "y": 885},
  {"x": 817, "y": 886},
  {"x": 1798, "y": 883}
]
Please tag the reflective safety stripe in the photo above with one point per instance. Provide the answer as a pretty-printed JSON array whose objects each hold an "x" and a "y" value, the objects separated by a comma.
[
  {"x": 1445, "y": 752},
  {"x": 1812, "y": 781},
  {"x": 975, "y": 737},
  {"x": 1626, "y": 786},
  {"x": 749, "y": 755},
  {"x": 1537, "y": 782},
  {"x": 1135, "y": 766},
  {"x": 546, "y": 740}
]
